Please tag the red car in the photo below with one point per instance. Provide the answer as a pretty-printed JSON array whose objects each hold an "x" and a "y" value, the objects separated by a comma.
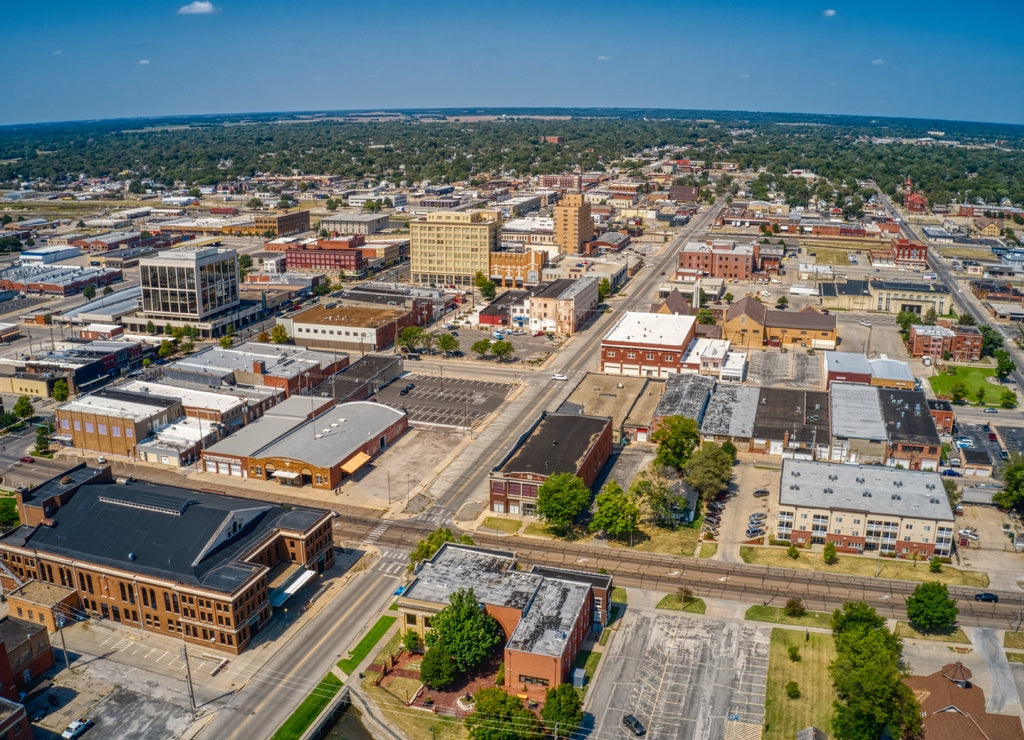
[{"x": 26, "y": 459}]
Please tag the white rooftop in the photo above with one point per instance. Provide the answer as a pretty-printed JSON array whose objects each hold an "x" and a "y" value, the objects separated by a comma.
[
  {"x": 652, "y": 328},
  {"x": 190, "y": 397},
  {"x": 932, "y": 331},
  {"x": 856, "y": 412}
]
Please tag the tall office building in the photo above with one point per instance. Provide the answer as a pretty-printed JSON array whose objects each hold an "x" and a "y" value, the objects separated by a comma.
[
  {"x": 191, "y": 286},
  {"x": 573, "y": 224},
  {"x": 451, "y": 247}
]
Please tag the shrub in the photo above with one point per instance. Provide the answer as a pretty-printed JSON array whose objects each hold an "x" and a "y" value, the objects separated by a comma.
[
  {"x": 830, "y": 556},
  {"x": 437, "y": 669},
  {"x": 499, "y": 677},
  {"x": 794, "y": 653},
  {"x": 410, "y": 640},
  {"x": 793, "y": 552},
  {"x": 935, "y": 564},
  {"x": 794, "y": 607},
  {"x": 792, "y": 690}
]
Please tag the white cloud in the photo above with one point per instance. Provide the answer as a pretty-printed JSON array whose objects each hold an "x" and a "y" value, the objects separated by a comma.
[
  {"x": 57, "y": 53},
  {"x": 827, "y": 13},
  {"x": 143, "y": 62},
  {"x": 744, "y": 76},
  {"x": 878, "y": 62},
  {"x": 603, "y": 58},
  {"x": 197, "y": 7}
]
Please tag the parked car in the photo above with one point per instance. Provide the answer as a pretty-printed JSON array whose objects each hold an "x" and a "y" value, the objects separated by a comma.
[
  {"x": 633, "y": 725},
  {"x": 1004, "y": 454},
  {"x": 404, "y": 392},
  {"x": 752, "y": 533},
  {"x": 758, "y": 517},
  {"x": 992, "y": 437},
  {"x": 862, "y": 322},
  {"x": 26, "y": 459},
  {"x": 951, "y": 473},
  {"x": 77, "y": 728},
  {"x": 760, "y": 493},
  {"x": 986, "y": 596},
  {"x": 559, "y": 376},
  {"x": 991, "y": 411}
]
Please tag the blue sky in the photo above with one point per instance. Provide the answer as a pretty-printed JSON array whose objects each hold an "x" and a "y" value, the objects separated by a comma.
[{"x": 113, "y": 58}]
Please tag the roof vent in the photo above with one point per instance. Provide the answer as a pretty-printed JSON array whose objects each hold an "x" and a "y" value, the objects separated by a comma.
[{"x": 131, "y": 556}]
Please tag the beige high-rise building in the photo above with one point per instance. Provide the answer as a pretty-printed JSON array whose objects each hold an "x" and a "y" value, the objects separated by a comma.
[
  {"x": 451, "y": 247},
  {"x": 573, "y": 224}
]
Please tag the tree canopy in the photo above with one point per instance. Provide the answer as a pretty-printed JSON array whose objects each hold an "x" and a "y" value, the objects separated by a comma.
[
  {"x": 931, "y": 609},
  {"x": 428, "y": 546},
  {"x": 560, "y": 499},
  {"x": 615, "y": 512},
  {"x": 23, "y": 407},
  {"x": 500, "y": 716},
  {"x": 676, "y": 438},
  {"x": 709, "y": 469},
  {"x": 464, "y": 630},
  {"x": 563, "y": 708}
]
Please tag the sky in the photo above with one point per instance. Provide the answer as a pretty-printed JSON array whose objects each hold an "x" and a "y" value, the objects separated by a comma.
[{"x": 88, "y": 59}]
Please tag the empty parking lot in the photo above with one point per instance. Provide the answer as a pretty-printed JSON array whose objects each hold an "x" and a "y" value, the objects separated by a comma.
[
  {"x": 682, "y": 677},
  {"x": 449, "y": 402}
]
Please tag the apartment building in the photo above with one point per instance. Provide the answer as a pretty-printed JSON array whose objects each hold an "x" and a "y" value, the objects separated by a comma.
[
  {"x": 719, "y": 258},
  {"x": 962, "y": 343},
  {"x": 864, "y": 508},
  {"x": 451, "y": 247},
  {"x": 573, "y": 225}
]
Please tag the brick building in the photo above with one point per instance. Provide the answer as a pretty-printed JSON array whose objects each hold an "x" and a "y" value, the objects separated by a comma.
[
  {"x": 963, "y": 343},
  {"x": 544, "y": 614},
  {"x": 719, "y": 258},
  {"x": 647, "y": 344},
  {"x": 206, "y": 568},
  {"x": 328, "y": 255},
  {"x": 556, "y": 443},
  {"x": 942, "y": 415},
  {"x": 113, "y": 422},
  {"x": 25, "y": 653},
  {"x": 573, "y": 225},
  {"x": 282, "y": 224},
  {"x": 901, "y": 253}
]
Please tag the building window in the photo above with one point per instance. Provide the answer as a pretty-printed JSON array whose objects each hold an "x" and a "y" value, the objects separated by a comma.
[{"x": 410, "y": 619}]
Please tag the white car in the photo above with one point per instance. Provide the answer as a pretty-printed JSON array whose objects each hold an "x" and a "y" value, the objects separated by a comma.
[
  {"x": 559, "y": 376},
  {"x": 862, "y": 322}
]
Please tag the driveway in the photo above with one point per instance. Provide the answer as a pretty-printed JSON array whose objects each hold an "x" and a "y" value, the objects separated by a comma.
[{"x": 681, "y": 677}]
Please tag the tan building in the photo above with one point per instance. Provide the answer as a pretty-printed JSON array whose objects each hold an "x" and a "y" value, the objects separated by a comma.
[
  {"x": 573, "y": 224},
  {"x": 864, "y": 508},
  {"x": 282, "y": 224},
  {"x": 451, "y": 247},
  {"x": 113, "y": 421},
  {"x": 517, "y": 268}
]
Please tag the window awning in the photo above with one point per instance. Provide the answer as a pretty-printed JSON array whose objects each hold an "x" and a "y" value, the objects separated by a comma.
[
  {"x": 355, "y": 462},
  {"x": 287, "y": 474}
]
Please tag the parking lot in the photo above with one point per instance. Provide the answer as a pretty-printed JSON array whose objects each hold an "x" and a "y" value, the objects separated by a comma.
[
  {"x": 682, "y": 677},
  {"x": 449, "y": 402},
  {"x": 527, "y": 347},
  {"x": 793, "y": 369},
  {"x": 881, "y": 338}
]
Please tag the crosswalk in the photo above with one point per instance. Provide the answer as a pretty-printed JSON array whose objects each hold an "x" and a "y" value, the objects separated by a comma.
[
  {"x": 437, "y": 516},
  {"x": 392, "y": 562},
  {"x": 376, "y": 534}
]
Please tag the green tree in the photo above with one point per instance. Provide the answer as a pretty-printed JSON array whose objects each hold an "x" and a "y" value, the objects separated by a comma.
[
  {"x": 503, "y": 349},
  {"x": 930, "y": 609},
  {"x": 60, "y": 390},
  {"x": 254, "y": 203},
  {"x": 279, "y": 335},
  {"x": 150, "y": 327},
  {"x": 166, "y": 349},
  {"x": 560, "y": 499},
  {"x": 43, "y": 432},
  {"x": 654, "y": 490},
  {"x": 89, "y": 292},
  {"x": 1004, "y": 365},
  {"x": 904, "y": 319},
  {"x": 410, "y": 338},
  {"x": 481, "y": 347},
  {"x": 958, "y": 391},
  {"x": 410, "y": 640},
  {"x": 321, "y": 289},
  {"x": 829, "y": 555},
  {"x": 1008, "y": 399},
  {"x": 676, "y": 438},
  {"x": 615, "y": 512},
  {"x": 730, "y": 449},
  {"x": 500, "y": 716},
  {"x": 23, "y": 407},
  {"x": 1012, "y": 495},
  {"x": 464, "y": 629},
  {"x": 930, "y": 317},
  {"x": 428, "y": 547},
  {"x": 704, "y": 316},
  {"x": 604, "y": 289},
  {"x": 980, "y": 395},
  {"x": 952, "y": 491},
  {"x": 794, "y": 607},
  {"x": 226, "y": 341},
  {"x": 447, "y": 343},
  {"x": 437, "y": 669},
  {"x": 108, "y": 290},
  {"x": 855, "y": 617},
  {"x": 488, "y": 290},
  {"x": 263, "y": 337},
  {"x": 708, "y": 470},
  {"x": 991, "y": 340},
  {"x": 728, "y": 297},
  {"x": 782, "y": 302},
  {"x": 935, "y": 564},
  {"x": 563, "y": 708}
]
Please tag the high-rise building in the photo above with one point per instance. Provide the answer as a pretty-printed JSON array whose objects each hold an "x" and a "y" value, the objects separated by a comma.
[
  {"x": 573, "y": 225},
  {"x": 189, "y": 283},
  {"x": 451, "y": 247},
  {"x": 191, "y": 286}
]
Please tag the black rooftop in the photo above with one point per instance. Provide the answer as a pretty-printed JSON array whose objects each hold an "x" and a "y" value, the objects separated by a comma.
[
  {"x": 134, "y": 397},
  {"x": 802, "y": 415},
  {"x": 556, "y": 444},
  {"x": 161, "y": 531},
  {"x": 908, "y": 417}
]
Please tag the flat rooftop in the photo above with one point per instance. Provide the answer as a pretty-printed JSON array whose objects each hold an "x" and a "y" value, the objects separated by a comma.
[
  {"x": 120, "y": 403},
  {"x": 801, "y": 416},
  {"x": 349, "y": 316},
  {"x": 907, "y": 417},
  {"x": 557, "y": 444},
  {"x": 490, "y": 573},
  {"x": 731, "y": 412},
  {"x": 545, "y": 628},
  {"x": 652, "y": 328},
  {"x": 610, "y": 395},
  {"x": 847, "y": 363},
  {"x": 686, "y": 395},
  {"x": 189, "y": 397},
  {"x": 865, "y": 488},
  {"x": 856, "y": 413}
]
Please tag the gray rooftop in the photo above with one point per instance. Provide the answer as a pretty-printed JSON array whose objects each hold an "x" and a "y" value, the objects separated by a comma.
[
  {"x": 490, "y": 573},
  {"x": 731, "y": 411},
  {"x": 847, "y": 362},
  {"x": 173, "y": 533},
  {"x": 275, "y": 423},
  {"x": 887, "y": 369},
  {"x": 908, "y": 418},
  {"x": 868, "y": 488},
  {"x": 856, "y": 413},
  {"x": 800, "y": 417},
  {"x": 686, "y": 395},
  {"x": 545, "y": 628}
]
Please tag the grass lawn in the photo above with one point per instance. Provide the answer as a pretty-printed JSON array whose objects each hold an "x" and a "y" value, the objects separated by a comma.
[
  {"x": 587, "y": 660},
  {"x": 501, "y": 524},
  {"x": 682, "y": 541},
  {"x": 371, "y": 638},
  {"x": 839, "y": 257},
  {"x": 1015, "y": 657},
  {"x": 693, "y": 605},
  {"x": 862, "y": 565},
  {"x": 616, "y": 614},
  {"x": 974, "y": 378},
  {"x": 619, "y": 595},
  {"x": 708, "y": 549},
  {"x": 903, "y": 629},
  {"x": 967, "y": 253},
  {"x": 415, "y": 724},
  {"x": 309, "y": 709},
  {"x": 536, "y": 529},
  {"x": 784, "y": 717},
  {"x": 758, "y": 613},
  {"x": 1014, "y": 640}
]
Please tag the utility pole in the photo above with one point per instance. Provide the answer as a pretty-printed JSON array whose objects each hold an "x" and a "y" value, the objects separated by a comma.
[
  {"x": 188, "y": 681},
  {"x": 64, "y": 645}
]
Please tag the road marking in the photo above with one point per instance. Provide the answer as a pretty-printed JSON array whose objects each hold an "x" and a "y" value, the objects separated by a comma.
[{"x": 376, "y": 533}]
